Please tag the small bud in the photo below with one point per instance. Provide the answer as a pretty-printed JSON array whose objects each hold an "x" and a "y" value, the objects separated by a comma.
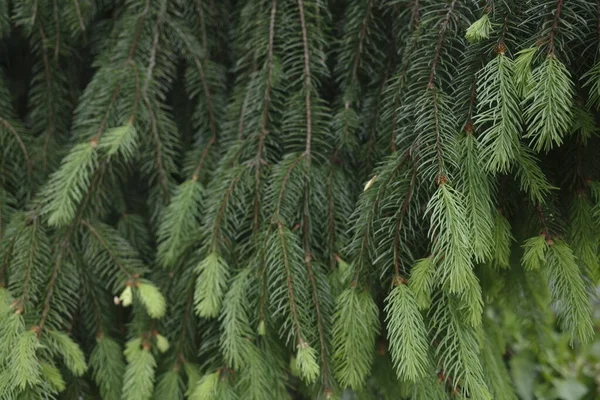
[
  {"x": 399, "y": 280},
  {"x": 370, "y": 183},
  {"x": 262, "y": 329},
  {"x": 295, "y": 371},
  {"x": 116, "y": 300},
  {"x": 162, "y": 343},
  {"x": 127, "y": 296}
]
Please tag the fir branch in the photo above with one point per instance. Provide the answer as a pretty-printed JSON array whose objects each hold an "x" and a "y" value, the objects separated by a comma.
[
  {"x": 307, "y": 80},
  {"x": 38, "y": 329},
  {"x": 441, "y": 37},
  {"x": 354, "y": 332},
  {"x": 407, "y": 334},
  {"x": 21, "y": 143},
  {"x": 557, "y": 12}
]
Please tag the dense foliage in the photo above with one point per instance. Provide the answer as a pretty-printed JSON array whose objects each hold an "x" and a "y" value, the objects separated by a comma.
[{"x": 276, "y": 199}]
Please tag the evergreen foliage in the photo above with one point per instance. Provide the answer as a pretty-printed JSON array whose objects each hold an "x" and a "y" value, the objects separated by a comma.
[{"x": 277, "y": 199}]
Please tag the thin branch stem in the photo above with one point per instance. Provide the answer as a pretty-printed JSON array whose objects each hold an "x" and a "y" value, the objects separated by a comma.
[
  {"x": 438, "y": 48},
  {"x": 19, "y": 140},
  {"x": 290, "y": 286},
  {"x": 557, "y": 12},
  {"x": 307, "y": 80}
]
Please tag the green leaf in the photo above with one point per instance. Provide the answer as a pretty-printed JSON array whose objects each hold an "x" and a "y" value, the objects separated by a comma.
[
  {"x": 237, "y": 332},
  {"x": 570, "y": 389},
  {"x": 126, "y": 296},
  {"x": 524, "y": 374},
  {"x": 457, "y": 348},
  {"x": 475, "y": 183}
]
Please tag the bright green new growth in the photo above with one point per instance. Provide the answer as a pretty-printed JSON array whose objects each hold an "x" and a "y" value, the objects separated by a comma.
[
  {"x": 421, "y": 282},
  {"x": 407, "y": 334},
  {"x": 568, "y": 292},
  {"x": 479, "y": 30},
  {"x": 108, "y": 367},
  {"x": 452, "y": 251},
  {"x": 207, "y": 387},
  {"x": 213, "y": 275},
  {"x": 549, "y": 104},
  {"x": 62, "y": 345},
  {"x": 152, "y": 299},
  {"x": 281, "y": 199},
  {"x": 355, "y": 328},
  {"x": 53, "y": 376},
  {"x": 499, "y": 114},
  {"x": 138, "y": 381},
  {"x": 306, "y": 362}
]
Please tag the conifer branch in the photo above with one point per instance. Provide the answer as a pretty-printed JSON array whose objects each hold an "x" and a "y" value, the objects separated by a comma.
[
  {"x": 51, "y": 287},
  {"x": 50, "y": 100},
  {"x": 57, "y": 28},
  {"x": 265, "y": 116},
  {"x": 307, "y": 80},
  {"x": 430, "y": 105},
  {"x": 203, "y": 37},
  {"x": 19, "y": 140},
  {"x": 290, "y": 286},
  {"x": 79, "y": 16},
  {"x": 186, "y": 317},
  {"x": 438, "y": 48},
  {"x": 94, "y": 232},
  {"x": 399, "y": 224},
  {"x": 361, "y": 38},
  {"x": 284, "y": 183},
  {"x": 316, "y": 300},
  {"x": 221, "y": 212},
  {"x": 557, "y": 12}
]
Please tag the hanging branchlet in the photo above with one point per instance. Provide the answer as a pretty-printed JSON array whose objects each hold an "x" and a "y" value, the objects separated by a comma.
[{"x": 266, "y": 199}]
